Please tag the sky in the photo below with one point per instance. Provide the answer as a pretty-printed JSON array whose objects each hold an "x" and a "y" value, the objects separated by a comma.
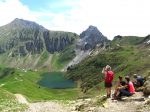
[{"x": 111, "y": 17}]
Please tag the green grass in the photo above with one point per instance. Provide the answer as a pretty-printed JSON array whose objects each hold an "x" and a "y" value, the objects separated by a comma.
[
  {"x": 8, "y": 102},
  {"x": 44, "y": 56},
  {"x": 128, "y": 40},
  {"x": 67, "y": 54},
  {"x": 124, "y": 60},
  {"x": 26, "y": 83}
]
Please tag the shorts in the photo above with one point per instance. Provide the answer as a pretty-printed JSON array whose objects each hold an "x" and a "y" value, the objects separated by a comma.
[{"x": 108, "y": 85}]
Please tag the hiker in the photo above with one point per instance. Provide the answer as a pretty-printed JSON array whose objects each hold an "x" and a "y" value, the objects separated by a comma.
[
  {"x": 119, "y": 84},
  {"x": 109, "y": 75},
  {"x": 117, "y": 92},
  {"x": 139, "y": 82},
  {"x": 126, "y": 90}
]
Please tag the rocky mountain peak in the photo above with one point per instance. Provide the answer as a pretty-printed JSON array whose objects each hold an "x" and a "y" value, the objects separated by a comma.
[
  {"x": 91, "y": 27},
  {"x": 21, "y": 23},
  {"x": 90, "y": 38}
]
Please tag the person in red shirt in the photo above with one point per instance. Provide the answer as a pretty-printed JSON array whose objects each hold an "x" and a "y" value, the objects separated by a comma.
[
  {"x": 127, "y": 90},
  {"x": 109, "y": 76}
]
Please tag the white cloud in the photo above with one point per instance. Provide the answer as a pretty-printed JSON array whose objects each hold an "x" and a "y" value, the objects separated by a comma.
[
  {"x": 112, "y": 17},
  {"x": 10, "y": 9}
]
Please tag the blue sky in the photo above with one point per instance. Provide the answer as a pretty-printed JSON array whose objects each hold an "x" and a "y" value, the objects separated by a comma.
[
  {"x": 36, "y": 4},
  {"x": 112, "y": 17},
  {"x": 55, "y": 6}
]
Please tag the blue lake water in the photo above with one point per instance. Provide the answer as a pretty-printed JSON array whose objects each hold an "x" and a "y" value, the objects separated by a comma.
[{"x": 55, "y": 80}]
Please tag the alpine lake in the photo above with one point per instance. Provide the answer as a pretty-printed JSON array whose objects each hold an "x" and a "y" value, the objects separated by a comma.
[{"x": 55, "y": 80}]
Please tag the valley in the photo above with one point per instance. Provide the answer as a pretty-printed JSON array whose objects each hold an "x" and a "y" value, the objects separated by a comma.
[{"x": 56, "y": 66}]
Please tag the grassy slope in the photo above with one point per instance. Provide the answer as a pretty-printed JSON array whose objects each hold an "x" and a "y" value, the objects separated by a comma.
[
  {"x": 125, "y": 59},
  {"x": 25, "y": 83},
  {"x": 8, "y": 102},
  {"x": 21, "y": 36},
  {"x": 44, "y": 61},
  {"x": 61, "y": 59}
]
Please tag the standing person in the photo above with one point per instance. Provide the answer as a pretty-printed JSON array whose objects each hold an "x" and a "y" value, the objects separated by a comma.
[{"x": 109, "y": 75}]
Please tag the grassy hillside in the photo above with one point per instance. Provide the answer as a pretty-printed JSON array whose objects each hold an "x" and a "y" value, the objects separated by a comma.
[
  {"x": 28, "y": 45},
  {"x": 8, "y": 102},
  {"x": 43, "y": 61},
  {"x": 128, "y": 40},
  {"x": 25, "y": 82},
  {"x": 61, "y": 59},
  {"x": 125, "y": 57}
]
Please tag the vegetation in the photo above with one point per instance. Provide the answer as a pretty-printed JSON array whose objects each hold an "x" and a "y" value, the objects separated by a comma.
[
  {"x": 25, "y": 82},
  {"x": 25, "y": 44},
  {"x": 8, "y": 102},
  {"x": 125, "y": 59},
  {"x": 60, "y": 60}
]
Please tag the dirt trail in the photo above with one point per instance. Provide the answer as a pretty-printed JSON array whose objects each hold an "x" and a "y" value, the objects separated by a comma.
[
  {"x": 42, "y": 106},
  {"x": 129, "y": 104}
]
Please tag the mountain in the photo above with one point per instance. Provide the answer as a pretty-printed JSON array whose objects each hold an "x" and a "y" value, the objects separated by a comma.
[
  {"x": 23, "y": 37},
  {"x": 26, "y": 44},
  {"x": 22, "y": 42},
  {"x": 90, "y": 38},
  {"x": 127, "y": 55}
]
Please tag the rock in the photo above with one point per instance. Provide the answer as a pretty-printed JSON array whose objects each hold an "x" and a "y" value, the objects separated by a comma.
[
  {"x": 90, "y": 38},
  {"x": 147, "y": 85},
  {"x": 89, "y": 99},
  {"x": 105, "y": 105},
  {"x": 80, "y": 107},
  {"x": 24, "y": 37},
  {"x": 147, "y": 102}
]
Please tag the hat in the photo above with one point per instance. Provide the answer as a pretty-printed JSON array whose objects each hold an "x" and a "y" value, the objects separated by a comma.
[{"x": 108, "y": 67}]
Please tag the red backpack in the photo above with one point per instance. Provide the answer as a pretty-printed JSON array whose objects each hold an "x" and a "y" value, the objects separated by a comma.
[{"x": 109, "y": 77}]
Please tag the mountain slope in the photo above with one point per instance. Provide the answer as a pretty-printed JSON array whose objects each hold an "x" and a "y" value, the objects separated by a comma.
[
  {"x": 9, "y": 103},
  {"x": 126, "y": 58},
  {"x": 89, "y": 40},
  {"x": 25, "y": 44},
  {"x": 25, "y": 83}
]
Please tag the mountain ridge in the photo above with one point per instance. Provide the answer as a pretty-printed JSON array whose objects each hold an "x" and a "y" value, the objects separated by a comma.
[{"x": 22, "y": 39}]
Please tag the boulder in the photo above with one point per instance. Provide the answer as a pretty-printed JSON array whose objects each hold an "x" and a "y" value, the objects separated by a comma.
[{"x": 147, "y": 85}]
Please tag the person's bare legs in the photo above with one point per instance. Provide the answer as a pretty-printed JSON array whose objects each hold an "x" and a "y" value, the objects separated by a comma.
[{"x": 108, "y": 90}]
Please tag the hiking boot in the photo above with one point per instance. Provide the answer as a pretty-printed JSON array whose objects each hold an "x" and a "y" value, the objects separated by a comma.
[
  {"x": 108, "y": 96},
  {"x": 118, "y": 98},
  {"x": 114, "y": 98}
]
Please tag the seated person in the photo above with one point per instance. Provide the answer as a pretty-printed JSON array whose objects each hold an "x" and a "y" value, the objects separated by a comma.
[
  {"x": 139, "y": 82},
  {"x": 127, "y": 89},
  {"x": 119, "y": 84}
]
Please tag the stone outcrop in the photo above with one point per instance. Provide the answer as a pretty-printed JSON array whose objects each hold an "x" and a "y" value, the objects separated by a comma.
[{"x": 147, "y": 85}]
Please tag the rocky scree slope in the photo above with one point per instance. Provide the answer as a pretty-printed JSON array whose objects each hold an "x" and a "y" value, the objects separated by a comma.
[{"x": 89, "y": 39}]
